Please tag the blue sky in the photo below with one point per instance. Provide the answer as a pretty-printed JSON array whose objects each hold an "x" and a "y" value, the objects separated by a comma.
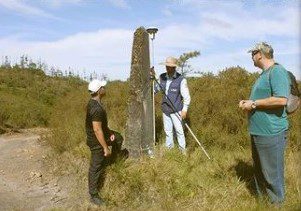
[{"x": 97, "y": 35}]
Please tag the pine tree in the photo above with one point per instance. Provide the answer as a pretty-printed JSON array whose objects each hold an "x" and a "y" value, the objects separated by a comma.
[{"x": 183, "y": 61}]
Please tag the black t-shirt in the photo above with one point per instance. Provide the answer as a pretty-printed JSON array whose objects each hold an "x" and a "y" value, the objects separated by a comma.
[{"x": 96, "y": 112}]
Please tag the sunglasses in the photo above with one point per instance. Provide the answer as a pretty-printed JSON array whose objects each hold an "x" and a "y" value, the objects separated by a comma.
[{"x": 254, "y": 53}]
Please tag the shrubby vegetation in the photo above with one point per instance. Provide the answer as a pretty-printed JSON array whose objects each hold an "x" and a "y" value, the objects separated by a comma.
[
  {"x": 28, "y": 96},
  {"x": 214, "y": 115},
  {"x": 170, "y": 181}
]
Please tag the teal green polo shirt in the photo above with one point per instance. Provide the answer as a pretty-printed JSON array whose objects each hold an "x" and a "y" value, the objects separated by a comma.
[{"x": 271, "y": 82}]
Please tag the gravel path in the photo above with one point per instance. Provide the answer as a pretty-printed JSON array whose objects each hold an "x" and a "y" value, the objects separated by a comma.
[{"x": 25, "y": 183}]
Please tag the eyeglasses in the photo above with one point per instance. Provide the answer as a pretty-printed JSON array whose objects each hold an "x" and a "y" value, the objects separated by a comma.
[{"x": 254, "y": 53}]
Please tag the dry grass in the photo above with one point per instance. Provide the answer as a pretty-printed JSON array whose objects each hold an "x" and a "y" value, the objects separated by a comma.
[{"x": 172, "y": 181}]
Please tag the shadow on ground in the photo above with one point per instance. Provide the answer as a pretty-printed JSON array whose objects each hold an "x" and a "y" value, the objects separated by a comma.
[{"x": 244, "y": 171}]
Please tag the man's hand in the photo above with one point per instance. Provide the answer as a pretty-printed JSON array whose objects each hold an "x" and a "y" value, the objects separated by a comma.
[
  {"x": 183, "y": 114},
  {"x": 112, "y": 137},
  {"x": 152, "y": 72},
  {"x": 246, "y": 105},
  {"x": 241, "y": 103},
  {"x": 107, "y": 152}
]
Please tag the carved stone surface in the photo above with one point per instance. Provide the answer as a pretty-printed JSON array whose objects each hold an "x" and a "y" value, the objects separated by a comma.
[{"x": 139, "y": 127}]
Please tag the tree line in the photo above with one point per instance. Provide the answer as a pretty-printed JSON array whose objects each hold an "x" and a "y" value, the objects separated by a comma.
[{"x": 26, "y": 63}]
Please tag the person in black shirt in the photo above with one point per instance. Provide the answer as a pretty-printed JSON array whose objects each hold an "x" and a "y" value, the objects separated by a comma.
[{"x": 99, "y": 137}]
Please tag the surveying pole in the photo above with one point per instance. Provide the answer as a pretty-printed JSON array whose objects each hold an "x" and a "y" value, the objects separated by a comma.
[{"x": 152, "y": 32}]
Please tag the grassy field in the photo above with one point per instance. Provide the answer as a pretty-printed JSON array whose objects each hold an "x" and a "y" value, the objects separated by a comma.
[{"x": 170, "y": 181}]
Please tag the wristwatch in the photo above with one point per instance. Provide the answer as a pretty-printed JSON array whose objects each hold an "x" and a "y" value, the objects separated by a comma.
[{"x": 254, "y": 105}]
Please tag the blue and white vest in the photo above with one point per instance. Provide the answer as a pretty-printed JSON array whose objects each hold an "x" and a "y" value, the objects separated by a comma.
[{"x": 174, "y": 94}]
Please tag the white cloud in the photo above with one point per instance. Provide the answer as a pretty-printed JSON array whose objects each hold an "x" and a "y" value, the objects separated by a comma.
[
  {"x": 243, "y": 20},
  {"x": 120, "y": 4},
  {"x": 167, "y": 12},
  {"x": 22, "y": 8},
  {"x": 59, "y": 3},
  {"x": 247, "y": 27},
  {"x": 16, "y": 4},
  {"x": 239, "y": 29},
  {"x": 109, "y": 51},
  {"x": 104, "y": 51}
]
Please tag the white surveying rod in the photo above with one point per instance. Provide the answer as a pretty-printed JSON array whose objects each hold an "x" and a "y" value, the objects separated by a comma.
[
  {"x": 152, "y": 31},
  {"x": 195, "y": 138}
]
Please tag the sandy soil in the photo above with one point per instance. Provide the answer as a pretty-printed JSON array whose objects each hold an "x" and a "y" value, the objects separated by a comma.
[{"x": 25, "y": 183}]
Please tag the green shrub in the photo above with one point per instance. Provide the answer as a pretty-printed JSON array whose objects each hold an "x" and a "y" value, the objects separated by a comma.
[
  {"x": 28, "y": 96},
  {"x": 68, "y": 120}
]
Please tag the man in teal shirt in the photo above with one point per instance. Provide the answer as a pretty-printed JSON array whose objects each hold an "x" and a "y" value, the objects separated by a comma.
[{"x": 268, "y": 122}]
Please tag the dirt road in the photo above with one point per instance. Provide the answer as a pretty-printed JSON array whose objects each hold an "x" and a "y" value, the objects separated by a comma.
[{"x": 25, "y": 183}]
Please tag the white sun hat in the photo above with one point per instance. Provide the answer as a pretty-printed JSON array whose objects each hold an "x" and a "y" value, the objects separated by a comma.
[{"x": 170, "y": 62}]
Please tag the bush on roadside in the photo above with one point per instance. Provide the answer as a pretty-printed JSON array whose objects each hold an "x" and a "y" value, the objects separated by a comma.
[{"x": 28, "y": 96}]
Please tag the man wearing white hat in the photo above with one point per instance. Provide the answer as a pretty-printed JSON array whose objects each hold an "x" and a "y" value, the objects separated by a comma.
[
  {"x": 176, "y": 105},
  {"x": 268, "y": 122},
  {"x": 99, "y": 137}
]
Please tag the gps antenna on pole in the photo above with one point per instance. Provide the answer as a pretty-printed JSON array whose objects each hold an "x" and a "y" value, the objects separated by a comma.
[{"x": 152, "y": 32}]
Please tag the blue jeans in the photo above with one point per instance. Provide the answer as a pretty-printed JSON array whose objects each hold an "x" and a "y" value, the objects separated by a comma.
[
  {"x": 268, "y": 158},
  {"x": 170, "y": 122}
]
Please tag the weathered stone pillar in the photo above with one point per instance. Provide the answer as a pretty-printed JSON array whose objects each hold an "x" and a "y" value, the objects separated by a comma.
[{"x": 139, "y": 127}]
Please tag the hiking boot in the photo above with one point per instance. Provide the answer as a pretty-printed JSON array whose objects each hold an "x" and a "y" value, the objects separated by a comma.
[
  {"x": 95, "y": 199},
  {"x": 124, "y": 154}
]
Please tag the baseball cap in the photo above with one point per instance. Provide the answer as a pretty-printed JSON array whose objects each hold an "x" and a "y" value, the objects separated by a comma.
[
  {"x": 263, "y": 47},
  {"x": 95, "y": 85}
]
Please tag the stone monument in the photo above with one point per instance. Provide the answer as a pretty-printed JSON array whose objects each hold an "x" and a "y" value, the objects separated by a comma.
[{"x": 139, "y": 133}]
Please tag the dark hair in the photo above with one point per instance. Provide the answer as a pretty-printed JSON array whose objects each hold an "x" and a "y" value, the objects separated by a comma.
[
  {"x": 94, "y": 94},
  {"x": 270, "y": 54},
  {"x": 268, "y": 51}
]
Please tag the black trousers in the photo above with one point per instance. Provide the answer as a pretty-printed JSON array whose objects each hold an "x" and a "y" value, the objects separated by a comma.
[{"x": 99, "y": 162}]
